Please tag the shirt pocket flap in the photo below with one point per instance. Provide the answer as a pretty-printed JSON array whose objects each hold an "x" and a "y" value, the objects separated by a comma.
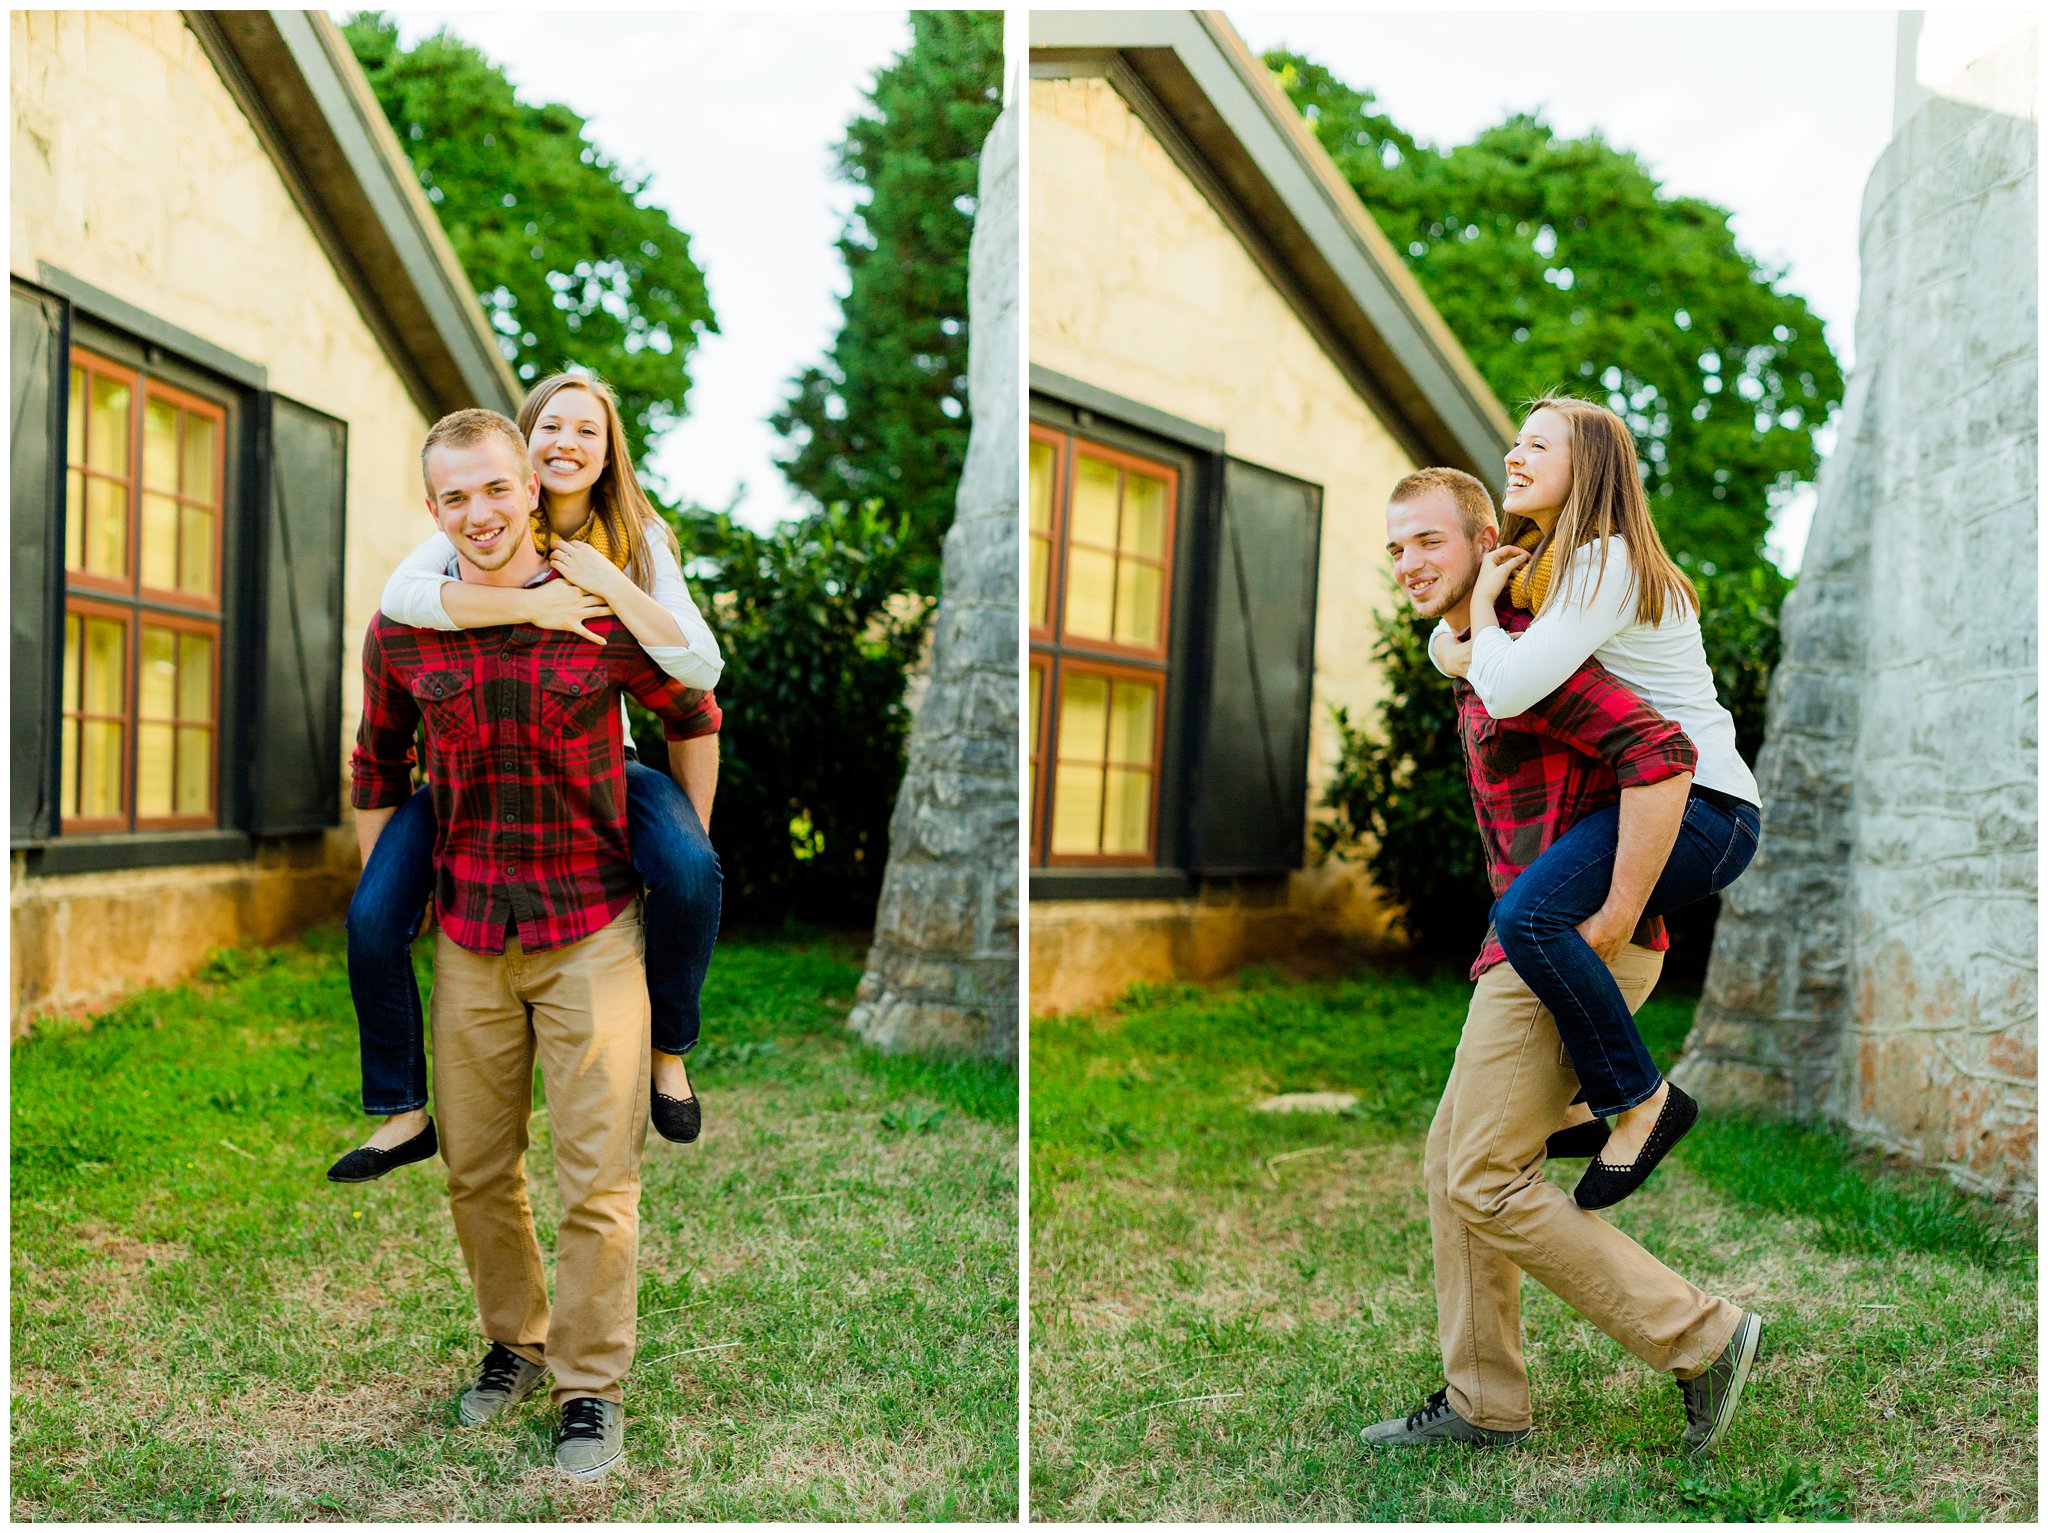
[
  {"x": 439, "y": 686},
  {"x": 569, "y": 685}
]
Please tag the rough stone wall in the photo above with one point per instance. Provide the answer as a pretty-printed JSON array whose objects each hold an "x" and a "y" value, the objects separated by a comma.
[
  {"x": 1140, "y": 287},
  {"x": 1877, "y": 965},
  {"x": 942, "y": 973},
  {"x": 133, "y": 169}
]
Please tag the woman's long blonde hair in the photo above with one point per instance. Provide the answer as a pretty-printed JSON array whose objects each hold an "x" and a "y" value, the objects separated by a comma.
[
  {"x": 616, "y": 499},
  {"x": 1606, "y": 501}
]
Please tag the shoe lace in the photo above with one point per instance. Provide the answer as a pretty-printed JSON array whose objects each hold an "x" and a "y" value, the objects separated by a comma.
[
  {"x": 500, "y": 1370},
  {"x": 1435, "y": 1406},
  {"x": 1698, "y": 1403},
  {"x": 582, "y": 1417}
]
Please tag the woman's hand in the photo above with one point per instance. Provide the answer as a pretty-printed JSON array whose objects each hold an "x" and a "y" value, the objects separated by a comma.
[
  {"x": 1494, "y": 572},
  {"x": 582, "y": 565},
  {"x": 565, "y": 608},
  {"x": 1453, "y": 655}
]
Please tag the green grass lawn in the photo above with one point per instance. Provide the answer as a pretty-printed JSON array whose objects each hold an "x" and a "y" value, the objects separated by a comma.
[
  {"x": 205, "y": 1328},
  {"x": 1221, "y": 1298}
]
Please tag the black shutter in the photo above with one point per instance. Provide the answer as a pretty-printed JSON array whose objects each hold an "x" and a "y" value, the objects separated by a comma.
[
  {"x": 296, "y": 732},
  {"x": 1249, "y": 779},
  {"x": 36, "y": 358}
]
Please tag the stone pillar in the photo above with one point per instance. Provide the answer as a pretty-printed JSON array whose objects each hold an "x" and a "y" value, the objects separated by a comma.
[
  {"x": 1877, "y": 965},
  {"x": 942, "y": 974}
]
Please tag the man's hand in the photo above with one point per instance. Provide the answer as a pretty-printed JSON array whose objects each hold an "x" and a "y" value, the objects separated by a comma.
[
  {"x": 1453, "y": 654},
  {"x": 1494, "y": 572},
  {"x": 582, "y": 565},
  {"x": 566, "y": 608},
  {"x": 1607, "y": 932}
]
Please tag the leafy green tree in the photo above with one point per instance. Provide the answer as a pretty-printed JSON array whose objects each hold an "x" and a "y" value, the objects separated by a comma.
[
  {"x": 883, "y": 418},
  {"x": 572, "y": 263},
  {"x": 1559, "y": 261}
]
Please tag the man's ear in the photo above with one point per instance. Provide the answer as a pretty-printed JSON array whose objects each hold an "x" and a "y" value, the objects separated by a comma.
[{"x": 1488, "y": 539}]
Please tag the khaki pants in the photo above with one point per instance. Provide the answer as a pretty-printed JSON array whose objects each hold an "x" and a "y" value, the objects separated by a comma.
[
  {"x": 1494, "y": 1216},
  {"x": 583, "y": 1011}
]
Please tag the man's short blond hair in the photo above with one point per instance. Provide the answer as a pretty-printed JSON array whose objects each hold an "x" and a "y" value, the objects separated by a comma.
[
  {"x": 1474, "y": 502},
  {"x": 467, "y": 428}
]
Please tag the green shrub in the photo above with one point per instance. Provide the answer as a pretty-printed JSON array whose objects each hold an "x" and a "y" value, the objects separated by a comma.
[{"x": 818, "y": 642}]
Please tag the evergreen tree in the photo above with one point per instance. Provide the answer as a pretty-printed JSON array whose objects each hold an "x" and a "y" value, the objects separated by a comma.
[
  {"x": 883, "y": 418},
  {"x": 570, "y": 261}
]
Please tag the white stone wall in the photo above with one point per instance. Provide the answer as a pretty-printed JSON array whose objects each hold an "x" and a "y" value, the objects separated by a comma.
[
  {"x": 1139, "y": 287},
  {"x": 134, "y": 170},
  {"x": 1878, "y": 963}
]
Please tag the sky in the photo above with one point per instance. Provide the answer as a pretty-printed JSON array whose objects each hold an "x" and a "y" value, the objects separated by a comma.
[
  {"x": 735, "y": 116},
  {"x": 1776, "y": 116}
]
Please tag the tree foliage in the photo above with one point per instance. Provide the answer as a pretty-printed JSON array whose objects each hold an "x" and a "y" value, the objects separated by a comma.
[
  {"x": 884, "y": 417},
  {"x": 812, "y": 749},
  {"x": 571, "y": 261},
  {"x": 1559, "y": 261}
]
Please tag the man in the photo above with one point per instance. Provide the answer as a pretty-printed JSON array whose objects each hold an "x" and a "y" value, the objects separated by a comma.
[
  {"x": 540, "y": 945},
  {"x": 1493, "y": 1215}
]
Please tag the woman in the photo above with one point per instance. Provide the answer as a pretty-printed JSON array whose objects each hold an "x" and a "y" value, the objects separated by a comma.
[
  {"x": 614, "y": 554},
  {"x": 1580, "y": 551}
]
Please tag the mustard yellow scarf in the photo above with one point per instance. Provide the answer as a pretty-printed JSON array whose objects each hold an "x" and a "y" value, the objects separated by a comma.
[
  {"x": 1530, "y": 584},
  {"x": 594, "y": 531}
]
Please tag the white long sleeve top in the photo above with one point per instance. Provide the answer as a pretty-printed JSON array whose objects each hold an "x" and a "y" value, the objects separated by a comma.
[
  {"x": 412, "y": 596},
  {"x": 1593, "y": 616}
]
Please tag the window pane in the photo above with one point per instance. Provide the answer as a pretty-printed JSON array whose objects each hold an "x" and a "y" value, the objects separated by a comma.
[
  {"x": 1144, "y": 525},
  {"x": 1127, "y": 814},
  {"x": 1042, "y": 459},
  {"x": 67, "y": 793},
  {"x": 1131, "y": 711},
  {"x": 1084, "y": 713},
  {"x": 74, "y": 520},
  {"x": 160, "y": 542},
  {"x": 160, "y": 446},
  {"x": 73, "y": 630},
  {"x": 195, "y": 771},
  {"x": 195, "y": 555},
  {"x": 195, "y": 678},
  {"x": 1041, "y": 582},
  {"x": 1138, "y": 588},
  {"x": 108, "y": 438},
  {"x": 1037, "y": 731},
  {"x": 106, "y": 527},
  {"x": 1076, "y": 809},
  {"x": 100, "y": 793},
  {"x": 74, "y": 418},
  {"x": 1092, "y": 518},
  {"x": 153, "y": 769},
  {"x": 1088, "y": 591},
  {"x": 105, "y": 667},
  {"x": 158, "y": 697},
  {"x": 199, "y": 451}
]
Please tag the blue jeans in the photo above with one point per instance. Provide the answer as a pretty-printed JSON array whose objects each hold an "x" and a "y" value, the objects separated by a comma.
[
  {"x": 1537, "y": 921},
  {"x": 674, "y": 859}
]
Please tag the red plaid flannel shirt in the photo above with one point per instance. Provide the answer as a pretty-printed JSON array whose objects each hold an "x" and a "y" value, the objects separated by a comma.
[
  {"x": 1535, "y": 776},
  {"x": 525, "y": 752}
]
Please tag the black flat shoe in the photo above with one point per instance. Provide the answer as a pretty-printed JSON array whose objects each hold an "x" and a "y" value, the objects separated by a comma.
[
  {"x": 364, "y": 1164},
  {"x": 679, "y": 1122},
  {"x": 1603, "y": 1185},
  {"x": 1578, "y": 1142}
]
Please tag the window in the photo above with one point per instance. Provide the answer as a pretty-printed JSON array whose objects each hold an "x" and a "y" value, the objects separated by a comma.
[
  {"x": 144, "y": 477},
  {"x": 1101, "y": 531}
]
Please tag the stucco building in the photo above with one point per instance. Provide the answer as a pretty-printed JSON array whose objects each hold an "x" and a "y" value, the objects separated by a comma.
[
  {"x": 233, "y": 318},
  {"x": 1230, "y": 368}
]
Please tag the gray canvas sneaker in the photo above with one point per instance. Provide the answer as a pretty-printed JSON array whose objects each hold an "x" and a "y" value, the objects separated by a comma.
[
  {"x": 1711, "y": 1397},
  {"x": 504, "y": 1379},
  {"x": 1437, "y": 1421},
  {"x": 591, "y": 1438}
]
